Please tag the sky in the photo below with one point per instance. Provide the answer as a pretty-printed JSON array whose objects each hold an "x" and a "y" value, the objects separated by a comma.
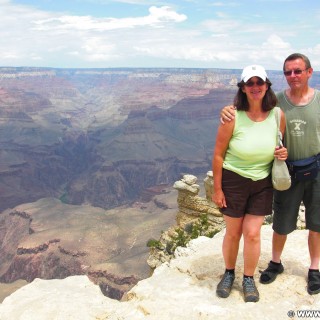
[{"x": 151, "y": 34}]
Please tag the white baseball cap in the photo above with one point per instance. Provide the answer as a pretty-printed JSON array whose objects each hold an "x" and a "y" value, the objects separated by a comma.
[{"x": 253, "y": 71}]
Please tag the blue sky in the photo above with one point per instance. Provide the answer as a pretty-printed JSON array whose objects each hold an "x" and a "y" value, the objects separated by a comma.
[{"x": 141, "y": 33}]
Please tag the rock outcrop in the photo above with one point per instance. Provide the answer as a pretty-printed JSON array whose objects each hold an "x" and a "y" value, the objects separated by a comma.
[
  {"x": 183, "y": 288},
  {"x": 191, "y": 207}
]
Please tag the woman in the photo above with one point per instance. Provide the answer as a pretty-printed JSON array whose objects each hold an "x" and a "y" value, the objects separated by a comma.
[{"x": 242, "y": 161}]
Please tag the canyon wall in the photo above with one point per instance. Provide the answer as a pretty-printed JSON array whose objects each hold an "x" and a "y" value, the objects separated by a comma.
[{"x": 102, "y": 136}]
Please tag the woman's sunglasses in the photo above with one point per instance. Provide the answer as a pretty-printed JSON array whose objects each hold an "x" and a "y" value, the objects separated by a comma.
[{"x": 252, "y": 83}]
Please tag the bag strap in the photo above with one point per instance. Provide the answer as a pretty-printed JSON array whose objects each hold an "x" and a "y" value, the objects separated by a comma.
[{"x": 279, "y": 134}]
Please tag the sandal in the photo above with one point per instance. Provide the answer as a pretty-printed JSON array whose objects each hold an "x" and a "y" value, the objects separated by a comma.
[
  {"x": 270, "y": 274},
  {"x": 313, "y": 282}
]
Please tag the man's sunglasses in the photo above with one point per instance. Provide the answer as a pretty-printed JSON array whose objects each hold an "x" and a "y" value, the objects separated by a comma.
[
  {"x": 295, "y": 72},
  {"x": 252, "y": 83}
]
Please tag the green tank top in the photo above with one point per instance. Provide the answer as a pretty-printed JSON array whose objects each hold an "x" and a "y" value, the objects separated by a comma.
[
  {"x": 302, "y": 136},
  {"x": 251, "y": 149}
]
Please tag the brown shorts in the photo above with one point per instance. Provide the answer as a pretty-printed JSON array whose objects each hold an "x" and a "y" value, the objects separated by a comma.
[{"x": 244, "y": 195}]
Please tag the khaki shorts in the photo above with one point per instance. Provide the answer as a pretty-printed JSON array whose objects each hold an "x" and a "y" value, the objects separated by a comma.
[
  {"x": 287, "y": 205},
  {"x": 244, "y": 195}
]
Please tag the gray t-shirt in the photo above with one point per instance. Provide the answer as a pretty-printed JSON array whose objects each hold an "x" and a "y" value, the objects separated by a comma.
[{"x": 302, "y": 136}]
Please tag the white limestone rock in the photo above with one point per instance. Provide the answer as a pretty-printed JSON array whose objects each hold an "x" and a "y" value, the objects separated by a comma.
[
  {"x": 189, "y": 179},
  {"x": 75, "y": 297},
  {"x": 182, "y": 186}
]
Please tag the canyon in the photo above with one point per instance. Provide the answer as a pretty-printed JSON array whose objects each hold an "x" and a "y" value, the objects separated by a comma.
[{"x": 102, "y": 136}]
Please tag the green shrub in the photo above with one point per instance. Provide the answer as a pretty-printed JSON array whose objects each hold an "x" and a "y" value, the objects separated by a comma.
[
  {"x": 153, "y": 243},
  {"x": 181, "y": 237}
]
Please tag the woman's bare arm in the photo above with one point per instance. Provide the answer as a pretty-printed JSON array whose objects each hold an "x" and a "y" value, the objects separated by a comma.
[{"x": 224, "y": 135}]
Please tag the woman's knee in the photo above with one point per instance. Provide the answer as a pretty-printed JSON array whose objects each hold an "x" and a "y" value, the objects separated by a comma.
[
  {"x": 233, "y": 235},
  {"x": 252, "y": 236}
]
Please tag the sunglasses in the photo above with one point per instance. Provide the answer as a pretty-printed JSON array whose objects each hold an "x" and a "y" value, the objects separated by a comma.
[
  {"x": 252, "y": 83},
  {"x": 295, "y": 72}
]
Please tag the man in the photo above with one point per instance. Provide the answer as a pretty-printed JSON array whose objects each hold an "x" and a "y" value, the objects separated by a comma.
[{"x": 301, "y": 105}]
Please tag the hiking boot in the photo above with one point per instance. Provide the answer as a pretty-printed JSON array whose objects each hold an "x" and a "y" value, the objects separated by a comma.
[
  {"x": 250, "y": 292},
  {"x": 225, "y": 285},
  {"x": 270, "y": 274}
]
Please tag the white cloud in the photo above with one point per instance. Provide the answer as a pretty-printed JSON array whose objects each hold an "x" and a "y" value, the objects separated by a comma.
[
  {"x": 156, "y": 17},
  {"x": 95, "y": 49},
  {"x": 36, "y": 35},
  {"x": 158, "y": 36},
  {"x": 166, "y": 14},
  {"x": 275, "y": 42}
]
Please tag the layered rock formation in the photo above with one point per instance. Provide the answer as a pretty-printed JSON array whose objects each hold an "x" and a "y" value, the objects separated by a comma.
[
  {"x": 102, "y": 136},
  {"x": 151, "y": 147},
  {"x": 191, "y": 205},
  {"x": 182, "y": 289},
  {"x": 51, "y": 240}
]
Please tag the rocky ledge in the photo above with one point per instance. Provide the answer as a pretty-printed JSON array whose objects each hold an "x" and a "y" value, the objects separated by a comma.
[{"x": 183, "y": 288}]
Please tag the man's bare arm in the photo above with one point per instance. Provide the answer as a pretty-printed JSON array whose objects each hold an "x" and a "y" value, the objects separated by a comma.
[{"x": 227, "y": 114}]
